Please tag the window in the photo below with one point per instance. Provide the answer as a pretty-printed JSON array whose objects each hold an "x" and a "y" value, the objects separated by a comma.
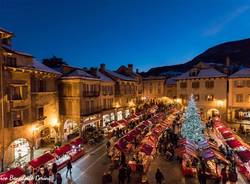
[
  {"x": 18, "y": 92},
  {"x": 17, "y": 118},
  {"x": 248, "y": 83},
  {"x": 239, "y": 83},
  {"x": 248, "y": 98},
  {"x": 41, "y": 85},
  {"x": 40, "y": 113},
  {"x": 239, "y": 97},
  {"x": 10, "y": 61},
  {"x": 210, "y": 97},
  {"x": 195, "y": 84},
  {"x": 183, "y": 85},
  {"x": 196, "y": 97},
  {"x": 209, "y": 84}
]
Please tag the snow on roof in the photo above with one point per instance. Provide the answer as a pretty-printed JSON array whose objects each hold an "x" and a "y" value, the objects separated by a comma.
[
  {"x": 103, "y": 77},
  {"x": 245, "y": 72},
  {"x": 171, "y": 81},
  {"x": 120, "y": 76},
  {"x": 39, "y": 66},
  {"x": 204, "y": 73},
  {"x": 78, "y": 73}
]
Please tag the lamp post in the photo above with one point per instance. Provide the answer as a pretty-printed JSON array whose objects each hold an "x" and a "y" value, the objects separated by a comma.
[{"x": 33, "y": 129}]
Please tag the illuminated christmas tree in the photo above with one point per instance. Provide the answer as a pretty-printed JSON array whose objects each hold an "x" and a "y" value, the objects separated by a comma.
[{"x": 192, "y": 128}]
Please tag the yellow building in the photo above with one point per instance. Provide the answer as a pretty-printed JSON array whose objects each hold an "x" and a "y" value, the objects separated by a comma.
[
  {"x": 29, "y": 102},
  {"x": 208, "y": 86},
  {"x": 126, "y": 90},
  {"x": 239, "y": 96},
  {"x": 171, "y": 88},
  {"x": 154, "y": 87}
]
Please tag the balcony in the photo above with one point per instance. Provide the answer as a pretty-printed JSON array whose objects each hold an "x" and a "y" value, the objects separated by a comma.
[{"x": 91, "y": 93}]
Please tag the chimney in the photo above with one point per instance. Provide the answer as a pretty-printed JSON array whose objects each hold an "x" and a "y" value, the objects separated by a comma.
[
  {"x": 102, "y": 67},
  {"x": 137, "y": 70},
  {"x": 93, "y": 71},
  {"x": 130, "y": 68},
  {"x": 227, "y": 61}
]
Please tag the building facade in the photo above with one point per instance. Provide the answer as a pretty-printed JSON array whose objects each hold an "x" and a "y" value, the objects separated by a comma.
[
  {"x": 29, "y": 103},
  {"x": 154, "y": 87},
  {"x": 127, "y": 90},
  {"x": 239, "y": 96},
  {"x": 209, "y": 88}
]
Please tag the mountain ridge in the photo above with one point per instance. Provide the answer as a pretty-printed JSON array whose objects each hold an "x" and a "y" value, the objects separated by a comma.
[{"x": 237, "y": 51}]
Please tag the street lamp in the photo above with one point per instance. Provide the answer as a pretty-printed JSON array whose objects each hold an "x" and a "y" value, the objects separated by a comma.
[{"x": 33, "y": 129}]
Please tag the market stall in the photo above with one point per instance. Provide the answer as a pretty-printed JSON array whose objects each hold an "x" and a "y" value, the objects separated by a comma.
[{"x": 46, "y": 159}]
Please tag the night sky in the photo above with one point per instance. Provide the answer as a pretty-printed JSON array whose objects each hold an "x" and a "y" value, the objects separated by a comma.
[{"x": 146, "y": 33}]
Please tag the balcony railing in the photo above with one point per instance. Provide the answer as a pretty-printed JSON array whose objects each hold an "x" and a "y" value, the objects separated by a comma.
[{"x": 91, "y": 93}]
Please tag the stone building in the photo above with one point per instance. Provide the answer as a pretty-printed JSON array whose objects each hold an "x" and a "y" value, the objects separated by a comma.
[
  {"x": 127, "y": 88},
  {"x": 29, "y": 102},
  {"x": 209, "y": 87},
  {"x": 154, "y": 87},
  {"x": 170, "y": 88},
  {"x": 239, "y": 96}
]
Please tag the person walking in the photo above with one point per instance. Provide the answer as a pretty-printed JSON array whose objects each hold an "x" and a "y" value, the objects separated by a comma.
[
  {"x": 54, "y": 170},
  {"x": 128, "y": 171},
  {"x": 224, "y": 176},
  {"x": 202, "y": 176},
  {"x": 122, "y": 175},
  {"x": 232, "y": 176},
  {"x": 159, "y": 177},
  {"x": 69, "y": 168},
  {"x": 58, "y": 178}
]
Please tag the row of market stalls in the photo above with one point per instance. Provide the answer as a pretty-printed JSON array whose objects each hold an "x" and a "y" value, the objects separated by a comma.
[
  {"x": 133, "y": 118},
  {"x": 142, "y": 141},
  {"x": 242, "y": 150},
  {"x": 72, "y": 151},
  {"x": 204, "y": 150}
]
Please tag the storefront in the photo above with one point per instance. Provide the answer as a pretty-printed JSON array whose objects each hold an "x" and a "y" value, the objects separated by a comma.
[
  {"x": 93, "y": 120},
  {"x": 119, "y": 115},
  {"x": 18, "y": 149},
  {"x": 242, "y": 116},
  {"x": 107, "y": 117},
  {"x": 126, "y": 113},
  {"x": 71, "y": 129}
]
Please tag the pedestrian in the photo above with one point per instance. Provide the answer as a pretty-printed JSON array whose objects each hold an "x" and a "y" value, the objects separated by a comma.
[
  {"x": 128, "y": 171},
  {"x": 202, "y": 176},
  {"x": 159, "y": 177},
  {"x": 58, "y": 178},
  {"x": 109, "y": 178},
  {"x": 54, "y": 170},
  {"x": 224, "y": 176},
  {"x": 232, "y": 176},
  {"x": 69, "y": 168},
  {"x": 122, "y": 175}
]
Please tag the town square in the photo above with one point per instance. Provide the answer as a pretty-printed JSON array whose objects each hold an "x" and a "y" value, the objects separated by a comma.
[{"x": 119, "y": 92}]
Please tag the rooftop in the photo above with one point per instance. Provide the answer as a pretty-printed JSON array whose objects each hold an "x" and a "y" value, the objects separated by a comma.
[
  {"x": 203, "y": 73},
  {"x": 245, "y": 72}
]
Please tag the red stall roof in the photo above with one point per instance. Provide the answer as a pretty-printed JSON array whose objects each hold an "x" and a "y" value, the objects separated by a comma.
[
  {"x": 13, "y": 173},
  {"x": 41, "y": 160},
  {"x": 78, "y": 142},
  {"x": 63, "y": 150}
]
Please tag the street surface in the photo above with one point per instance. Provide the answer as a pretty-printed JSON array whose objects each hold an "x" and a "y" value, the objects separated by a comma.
[{"x": 90, "y": 168}]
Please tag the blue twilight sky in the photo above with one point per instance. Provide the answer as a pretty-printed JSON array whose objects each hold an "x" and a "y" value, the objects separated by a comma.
[{"x": 146, "y": 33}]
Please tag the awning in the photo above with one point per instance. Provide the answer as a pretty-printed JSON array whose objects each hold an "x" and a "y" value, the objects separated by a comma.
[
  {"x": 147, "y": 149},
  {"x": 228, "y": 135},
  {"x": 41, "y": 160},
  {"x": 244, "y": 155},
  {"x": 234, "y": 143},
  {"x": 78, "y": 142},
  {"x": 63, "y": 150},
  {"x": 13, "y": 173}
]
